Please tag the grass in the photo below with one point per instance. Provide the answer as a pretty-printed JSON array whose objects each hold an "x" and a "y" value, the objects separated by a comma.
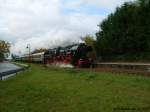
[
  {"x": 40, "y": 89},
  {"x": 24, "y": 65}
]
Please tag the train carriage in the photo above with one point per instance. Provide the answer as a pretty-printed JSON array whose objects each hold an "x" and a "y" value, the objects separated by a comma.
[{"x": 38, "y": 57}]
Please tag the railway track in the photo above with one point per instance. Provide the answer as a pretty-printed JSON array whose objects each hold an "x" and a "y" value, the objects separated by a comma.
[
  {"x": 130, "y": 66},
  {"x": 142, "y": 69}
]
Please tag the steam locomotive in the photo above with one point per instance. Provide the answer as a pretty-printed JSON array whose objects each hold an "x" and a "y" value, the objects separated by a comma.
[{"x": 75, "y": 55}]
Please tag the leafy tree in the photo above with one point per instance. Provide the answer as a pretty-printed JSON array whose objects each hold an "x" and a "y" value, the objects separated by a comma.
[
  {"x": 39, "y": 50},
  {"x": 4, "y": 48},
  {"x": 89, "y": 40},
  {"x": 126, "y": 31}
]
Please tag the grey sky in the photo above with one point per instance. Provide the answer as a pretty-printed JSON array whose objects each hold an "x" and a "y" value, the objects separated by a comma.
[{"x": 48, "y": 23}]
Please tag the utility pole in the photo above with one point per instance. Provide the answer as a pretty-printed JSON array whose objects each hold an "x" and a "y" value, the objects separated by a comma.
[{"x": 29, "y": 53}]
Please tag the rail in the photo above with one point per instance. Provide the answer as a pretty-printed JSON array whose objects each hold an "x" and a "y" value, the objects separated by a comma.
[{"x": 131, "y": 66}]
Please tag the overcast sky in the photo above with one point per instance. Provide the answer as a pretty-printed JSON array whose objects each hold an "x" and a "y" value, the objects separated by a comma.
[{"x": 49, "y": 23}]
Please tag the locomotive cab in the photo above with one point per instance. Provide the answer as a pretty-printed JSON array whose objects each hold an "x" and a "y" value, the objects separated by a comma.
[{"x": 80, "y": 58}]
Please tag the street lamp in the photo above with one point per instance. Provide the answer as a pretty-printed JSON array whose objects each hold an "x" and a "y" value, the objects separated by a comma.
[{"x": 29, "y": 56}]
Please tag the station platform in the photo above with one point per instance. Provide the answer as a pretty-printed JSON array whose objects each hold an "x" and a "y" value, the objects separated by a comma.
[{"x": 7, "y": 68}]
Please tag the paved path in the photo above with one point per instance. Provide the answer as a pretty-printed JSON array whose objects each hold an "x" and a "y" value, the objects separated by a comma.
[{"x": 6, "y": 66}]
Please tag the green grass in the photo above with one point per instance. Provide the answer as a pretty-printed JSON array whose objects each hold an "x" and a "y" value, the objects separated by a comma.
[
  {"x": 24, "y": 65},
  {"x": 40, "y": 89}
]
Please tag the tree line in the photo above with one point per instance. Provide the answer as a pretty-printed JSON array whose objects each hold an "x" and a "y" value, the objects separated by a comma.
[{"x": 125, "y": 34}]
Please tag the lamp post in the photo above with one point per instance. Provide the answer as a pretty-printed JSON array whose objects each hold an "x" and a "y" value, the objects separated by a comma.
[{"x": 29, "y": 56}]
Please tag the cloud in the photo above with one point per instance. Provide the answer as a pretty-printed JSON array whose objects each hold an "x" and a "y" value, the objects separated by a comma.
[{"x": 50, "y": 23}]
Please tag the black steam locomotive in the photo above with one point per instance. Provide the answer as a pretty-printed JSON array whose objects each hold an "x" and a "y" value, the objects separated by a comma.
[{"x": 75, "y": 55}]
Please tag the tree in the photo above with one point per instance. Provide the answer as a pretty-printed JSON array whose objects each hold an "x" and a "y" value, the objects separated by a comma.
[
  {"x": 126, "y": 31},
  {"x": 89, "y": 40},
  {"x": 4, "y": 49},
  {"x": 39, "y": 50}
]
